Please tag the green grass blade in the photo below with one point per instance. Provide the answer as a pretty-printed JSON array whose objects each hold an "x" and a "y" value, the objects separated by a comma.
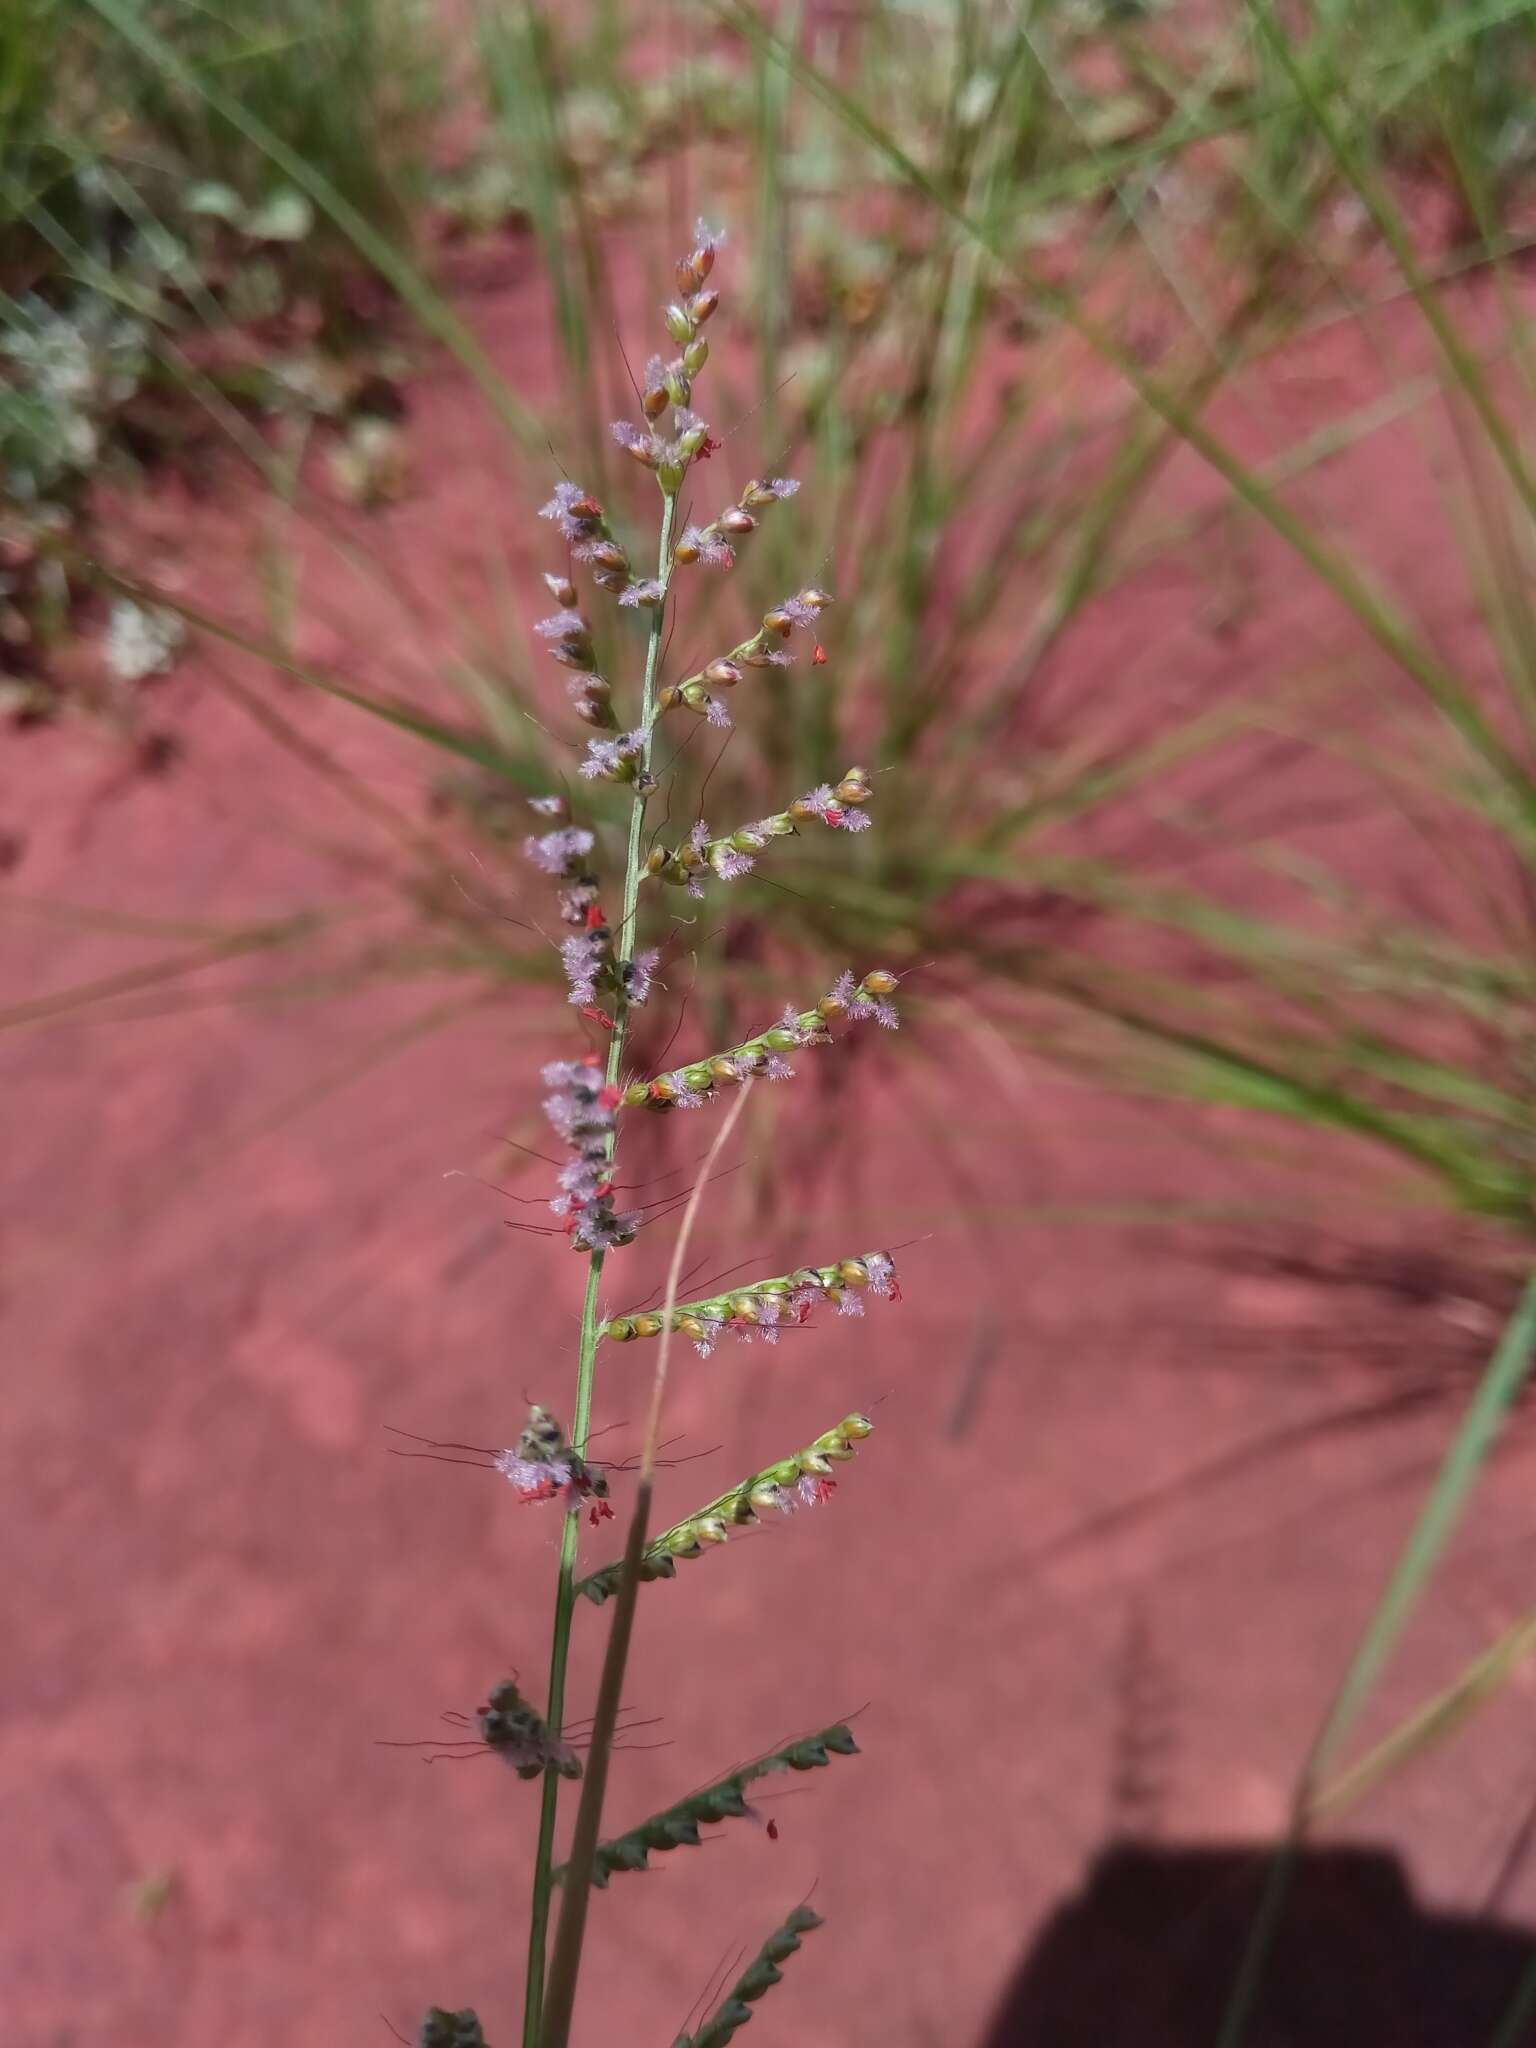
[
  {"x": 1432, "y": 1723},
  {"x": 1442, "y": 1509}
]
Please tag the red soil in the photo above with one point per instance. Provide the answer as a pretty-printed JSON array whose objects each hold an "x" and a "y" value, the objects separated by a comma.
[{"x": 1049, "y": 1558}]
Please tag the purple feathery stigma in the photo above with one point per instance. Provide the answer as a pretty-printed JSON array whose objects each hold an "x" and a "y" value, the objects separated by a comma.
[
  {"x": 862, "y": 1005},
  {"x": 730, "y": 865},
  {"x": 639, "y": 974},
  {"x": 559, "y": 509},
  {"x": 705, "y": 1343},
  {"x": 535, "y": 1478},
  {"x": 558, "y": 853},
  {"x": 717, "y": 553},
  {"x": 581, "y": 960}
]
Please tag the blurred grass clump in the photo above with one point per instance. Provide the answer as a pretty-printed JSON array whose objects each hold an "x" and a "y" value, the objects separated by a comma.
[{"x": 152, "y": 255}]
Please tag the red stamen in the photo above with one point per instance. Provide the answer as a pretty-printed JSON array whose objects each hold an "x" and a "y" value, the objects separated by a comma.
[{"x": 818, "y": 659}]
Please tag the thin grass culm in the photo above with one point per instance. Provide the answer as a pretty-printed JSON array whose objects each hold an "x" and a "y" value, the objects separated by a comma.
[{"x": 611, "y": 974}]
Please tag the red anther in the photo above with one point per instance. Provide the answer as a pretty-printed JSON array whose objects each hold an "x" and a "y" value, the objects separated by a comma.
[
  {"x": 594, "y": 1015},
  {"x": 834, "y": 815},
  {"x": 819, "y": 656},
  {"x": 773, "y": 1831},
  {"x": 600, "y": 1512},
  {"x": 611, "y": 1095},
  {"x": 707, "y": 448},
  {"x": 595, "y": 918}
]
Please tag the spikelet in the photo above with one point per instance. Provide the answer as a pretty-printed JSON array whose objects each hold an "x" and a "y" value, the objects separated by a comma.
[
  {"x": 765, "y": 1306},
  {"x": 716, "y": 544},
  {"x": 802, "y": 1480}
]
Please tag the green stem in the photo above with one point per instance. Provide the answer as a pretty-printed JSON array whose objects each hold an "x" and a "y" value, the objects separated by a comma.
[
  {"x": 565, "y": 1587},
  {"x": 560, "y": 2004}
]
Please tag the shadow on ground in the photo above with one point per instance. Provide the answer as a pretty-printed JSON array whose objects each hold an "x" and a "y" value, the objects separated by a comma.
[{"x": 1145, "y": 1956}]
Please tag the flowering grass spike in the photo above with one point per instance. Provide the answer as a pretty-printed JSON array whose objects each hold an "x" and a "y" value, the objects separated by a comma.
[{"x": 612, "y": 967}]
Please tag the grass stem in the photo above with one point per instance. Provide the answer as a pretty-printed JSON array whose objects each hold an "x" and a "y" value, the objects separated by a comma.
[{"x": 565, "y": 1590}]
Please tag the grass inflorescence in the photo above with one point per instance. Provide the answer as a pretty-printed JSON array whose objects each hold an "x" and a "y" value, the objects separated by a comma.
[{"x": 611, "y": 973}]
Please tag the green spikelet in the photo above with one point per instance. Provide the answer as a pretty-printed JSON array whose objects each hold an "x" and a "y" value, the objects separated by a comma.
[
  {"x": 760, "y": 1975},
  {"x": 796, "y": 1480}
]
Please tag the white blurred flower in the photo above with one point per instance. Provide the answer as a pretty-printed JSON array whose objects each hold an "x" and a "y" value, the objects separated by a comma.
[{"x": 141, "y": 642}]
